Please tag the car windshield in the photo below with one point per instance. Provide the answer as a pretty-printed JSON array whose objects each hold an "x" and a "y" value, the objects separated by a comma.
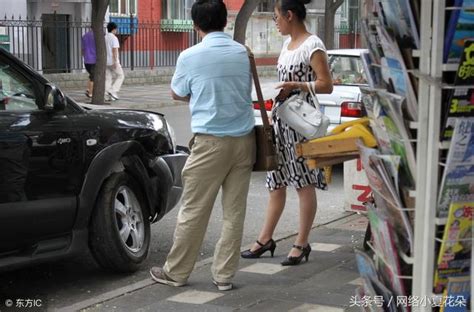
[{"x": 347, "y": 70}]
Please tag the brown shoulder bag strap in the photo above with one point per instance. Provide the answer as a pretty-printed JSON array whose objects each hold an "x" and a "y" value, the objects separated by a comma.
[{"x": 258, "y": 89}]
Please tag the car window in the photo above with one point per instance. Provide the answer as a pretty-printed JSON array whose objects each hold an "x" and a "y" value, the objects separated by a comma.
[
  {"x": 16, "y": 92},
  {"x": 347, "y": 70}
]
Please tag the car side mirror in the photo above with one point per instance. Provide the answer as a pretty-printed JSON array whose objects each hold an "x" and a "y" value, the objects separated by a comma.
[{"x": 54, "y": 99}]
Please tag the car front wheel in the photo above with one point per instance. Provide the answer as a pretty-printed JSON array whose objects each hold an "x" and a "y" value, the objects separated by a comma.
[{"x": 120, "y": 228}]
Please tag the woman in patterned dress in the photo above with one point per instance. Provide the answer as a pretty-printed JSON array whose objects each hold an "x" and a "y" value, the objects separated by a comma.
[{"x": 303, "y": 58}]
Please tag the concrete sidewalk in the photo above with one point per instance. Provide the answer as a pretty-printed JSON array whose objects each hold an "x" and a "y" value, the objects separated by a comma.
[
  {"x": 150, "y": 96},
  {"x": 134, "y": 96},
  {"x": 325, "y": 283}
]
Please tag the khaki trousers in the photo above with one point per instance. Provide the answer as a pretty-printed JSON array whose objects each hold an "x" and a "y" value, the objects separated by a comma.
[
  {"x": 113, "y": 79},
  {"x": 214, "y": 162}
]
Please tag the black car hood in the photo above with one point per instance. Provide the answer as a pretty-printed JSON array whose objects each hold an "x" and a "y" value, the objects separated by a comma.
[{"x": 119, "y": 124}]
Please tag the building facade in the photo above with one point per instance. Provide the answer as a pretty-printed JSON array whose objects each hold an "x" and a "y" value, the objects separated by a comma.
[{"x": 47, "y": 33}]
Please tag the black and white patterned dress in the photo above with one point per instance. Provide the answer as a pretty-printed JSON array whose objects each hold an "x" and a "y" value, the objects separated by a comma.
[{"x": 294, "y": 65}]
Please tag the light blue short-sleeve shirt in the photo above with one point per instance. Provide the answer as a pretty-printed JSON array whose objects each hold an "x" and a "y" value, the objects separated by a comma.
[{"x": 216, "y": 75}]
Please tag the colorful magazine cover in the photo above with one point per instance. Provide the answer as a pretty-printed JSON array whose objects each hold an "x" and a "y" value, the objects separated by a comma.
[
  {"x": 394, "y": 72},
  {"x": 386, "y": 119},
  {"x": 454, "y": 258},
  {"x": 373, "y": 73},
  {"x": 457, "y": 295},
  {"x": 400, "y": 19},
  {"x": 372, "y": 286},
  {"x": 369, "y": 32},
  {"x": 457, "y": 183},
  {"x": 461, "y": 100},
  {"x": 387, "y": 201},
  {"x": 460, "y": 27},
  {"x": 384, "y": 243}
]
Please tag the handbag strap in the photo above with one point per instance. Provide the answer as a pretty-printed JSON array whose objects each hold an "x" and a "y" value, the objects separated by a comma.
[
  {"x": 258, "y": 89},
  {"x": 312, "y": 91}
]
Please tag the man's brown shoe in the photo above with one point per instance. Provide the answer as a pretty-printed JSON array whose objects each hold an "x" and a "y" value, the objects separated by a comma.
[{"x": 159, "y": 275}]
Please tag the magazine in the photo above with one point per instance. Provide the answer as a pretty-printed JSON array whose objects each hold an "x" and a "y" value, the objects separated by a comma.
[
  {"x": 369, "y": 32},
  {"x": 457, "y": 295},
  {"x": 369, "y": 98},
  {"x": 373, "y": 73},
  {"x": 388, "y": 125},
  {"x": 400, "y": 20},
  {"x": 460, "y": 27},
  {"x": 457, "y": 183},
  {"x": 372, "y": 286},
  {"x": 394, "y": 72},
  {"x": 379, "y": 165},
  {"x": 461, "y": 100},
  {"x": 454, "y": 256},
  {"x": 386, "y": 198},
  {"x": 392, "y": 164},
  {"x": 384, "y": 243}
]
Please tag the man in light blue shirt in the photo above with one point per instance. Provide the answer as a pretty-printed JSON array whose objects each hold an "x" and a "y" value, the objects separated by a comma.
[{"x": 214, "y": 76}]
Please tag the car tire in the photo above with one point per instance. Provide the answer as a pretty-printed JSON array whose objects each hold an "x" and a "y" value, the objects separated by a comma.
[{"x": 119, "y": 233}]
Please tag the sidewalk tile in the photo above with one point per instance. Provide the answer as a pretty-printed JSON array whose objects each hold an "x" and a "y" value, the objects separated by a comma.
[
  {"x": 195, "y": 297},
  {"x": 315, "y": 308},
  {"x": 263, "y": 268},
  {"x": 168, "y": 306},
  {"x": 272, "y": 305},
  {"x": 324, "y": 247}
]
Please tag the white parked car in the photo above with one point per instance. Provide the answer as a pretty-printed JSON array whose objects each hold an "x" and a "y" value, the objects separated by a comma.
[{"x": 344, "y": 103}]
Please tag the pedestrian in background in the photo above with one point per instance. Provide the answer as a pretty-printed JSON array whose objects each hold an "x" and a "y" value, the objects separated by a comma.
[
  {"x": 214, "y": 76},
  {"x": 89, "y": 55},
  {"x": 114, "y": 73},
  {"x": 303, "y": 58}
]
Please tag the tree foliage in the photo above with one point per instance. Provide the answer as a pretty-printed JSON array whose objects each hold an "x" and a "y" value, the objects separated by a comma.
[{"x": 99, "y": 8}]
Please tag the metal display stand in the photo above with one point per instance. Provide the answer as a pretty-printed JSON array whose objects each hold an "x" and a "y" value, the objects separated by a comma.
[
  {"x": 431, "y": 68},
  {"x": 428, "y": 149}
]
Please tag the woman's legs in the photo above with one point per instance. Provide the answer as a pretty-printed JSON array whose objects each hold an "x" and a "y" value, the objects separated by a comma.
[
  {"x": 308, "y": 205},
  {"x": 276, "y": 204}
]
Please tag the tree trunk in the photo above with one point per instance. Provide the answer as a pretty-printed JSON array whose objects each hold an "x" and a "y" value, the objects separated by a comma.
[
  {"x": 330, "y": 13},
  {"x": 242, "y": 19},
  {"x": 99, "y": 8}
]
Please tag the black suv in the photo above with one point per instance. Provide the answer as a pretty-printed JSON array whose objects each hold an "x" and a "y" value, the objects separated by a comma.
[{"x": 73, "y": 178}]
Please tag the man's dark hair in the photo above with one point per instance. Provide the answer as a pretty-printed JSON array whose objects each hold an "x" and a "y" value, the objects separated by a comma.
[
  {"x": 111, "y": 26},
  {"x": 209, "y": 15}
]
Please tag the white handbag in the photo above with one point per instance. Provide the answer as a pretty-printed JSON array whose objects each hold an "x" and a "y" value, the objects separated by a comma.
[{"x": 304, "y": 118}]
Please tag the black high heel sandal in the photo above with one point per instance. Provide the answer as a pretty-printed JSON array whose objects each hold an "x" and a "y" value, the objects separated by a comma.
[
  {"x": 249, "y": 254},
  {"x": 305, "y": 251}
]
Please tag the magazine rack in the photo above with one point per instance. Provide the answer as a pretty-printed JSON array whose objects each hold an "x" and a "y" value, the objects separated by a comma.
[{"x": 429, "y": 147}]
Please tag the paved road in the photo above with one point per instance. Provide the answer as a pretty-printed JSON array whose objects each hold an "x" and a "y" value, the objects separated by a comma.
[{"x": 64, "y": 283}]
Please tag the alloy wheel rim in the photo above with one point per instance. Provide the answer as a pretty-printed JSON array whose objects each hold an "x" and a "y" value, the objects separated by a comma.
[{"x": 129, "y": 219}]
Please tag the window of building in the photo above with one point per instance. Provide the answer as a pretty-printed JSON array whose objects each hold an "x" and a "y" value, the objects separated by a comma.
[
  {"x": 266, "y": 6},
  {"x": 176, "y": 9},
  {"x": 123, "y": 7}
]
